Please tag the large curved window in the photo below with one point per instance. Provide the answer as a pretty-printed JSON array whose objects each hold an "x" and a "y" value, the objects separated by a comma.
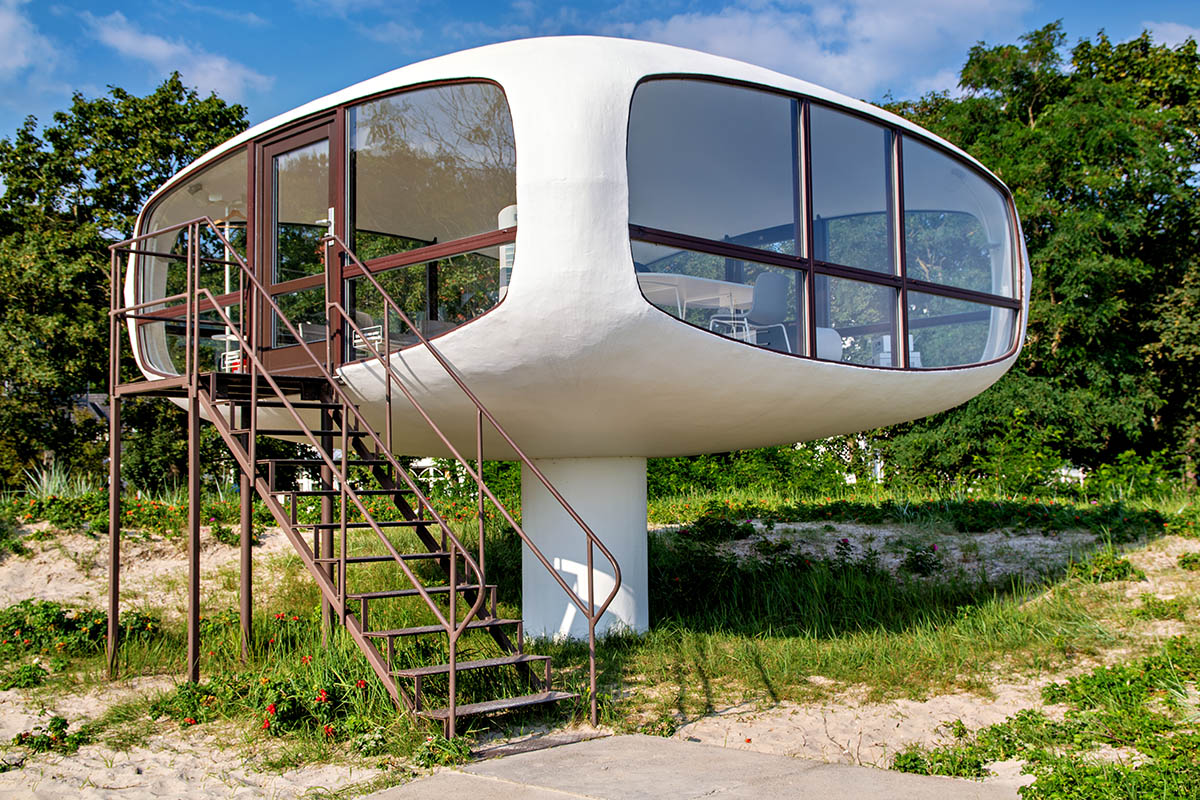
[
  {"x": 219, "y": 193},
  {"x": 811, "y": 230},
  {"x": 431, "y": 170}
]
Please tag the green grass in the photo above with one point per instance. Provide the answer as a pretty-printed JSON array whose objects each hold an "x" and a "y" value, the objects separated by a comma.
[{"x": 767, "y": 625}]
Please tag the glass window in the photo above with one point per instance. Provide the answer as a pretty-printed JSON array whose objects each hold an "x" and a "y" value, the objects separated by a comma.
[
  {"x": 755, "y": 303},
  {"x": 715, "y": 161},
  {"x": 301, "y": 195},
  {"x": 306, "y": 311},
  {"x": 851, "y": 187},
  {"x": 218, "y": 192},
  {"x": 437, "y": 295},
  {"x": 945, "y": 332},
  {"x": 855, "y": 321},
  {"x": 956, "y": 224},
  {"x": 429, "y": 166}
]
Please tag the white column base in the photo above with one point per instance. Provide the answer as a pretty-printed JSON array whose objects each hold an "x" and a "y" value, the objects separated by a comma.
[{"x": 609, "y": 494}]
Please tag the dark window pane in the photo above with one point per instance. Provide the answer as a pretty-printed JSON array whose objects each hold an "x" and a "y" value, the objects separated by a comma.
[
  {"x": 851, "y": 184},
  {"x": 301, "y": 203},
  {"x": 306, "y": 311},
  {"x": 956, "y": 224},
  {"x": 463, "y": 286},
  {"x": 431, "y": 165},
  {"x": 755, "y": 303},
  {"x": 714, "y": 161},
  {"x": 945, "y": 332},
  {"x": 856, "y": 321}
]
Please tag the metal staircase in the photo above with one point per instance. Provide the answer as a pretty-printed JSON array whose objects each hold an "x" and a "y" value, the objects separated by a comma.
[{"x": 417, "y": 568}]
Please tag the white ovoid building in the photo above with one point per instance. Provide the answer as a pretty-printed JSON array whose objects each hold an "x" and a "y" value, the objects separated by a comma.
[{"x": 626, "y": 250}]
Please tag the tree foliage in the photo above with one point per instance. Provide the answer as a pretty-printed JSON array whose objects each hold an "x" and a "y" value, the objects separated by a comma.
[
  {"x": 70, "y": 189},
  {"x": 1102, "y": 153}
]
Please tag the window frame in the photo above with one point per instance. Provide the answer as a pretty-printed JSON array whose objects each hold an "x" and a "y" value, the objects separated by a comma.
[{"x": 804, "y": 227}]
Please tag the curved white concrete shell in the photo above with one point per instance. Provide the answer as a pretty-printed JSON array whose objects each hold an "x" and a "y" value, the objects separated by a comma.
[{"x": 574, "y": 360}]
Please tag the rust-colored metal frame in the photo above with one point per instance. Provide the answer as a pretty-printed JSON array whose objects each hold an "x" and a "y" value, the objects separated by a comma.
[{"x": 810, "y": 266}]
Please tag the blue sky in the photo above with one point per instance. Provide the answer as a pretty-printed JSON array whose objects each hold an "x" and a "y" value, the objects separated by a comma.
[{"x": 273, "y": 56}]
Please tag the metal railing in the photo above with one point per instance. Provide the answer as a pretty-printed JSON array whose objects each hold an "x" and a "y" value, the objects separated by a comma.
[
  {"x": 245, "y": 333},
  {"x": 592, "y": 611}
]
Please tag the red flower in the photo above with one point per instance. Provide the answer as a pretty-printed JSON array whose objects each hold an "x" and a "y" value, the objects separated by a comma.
[
  {"x": 189, "y": 721},
  {"x": 329, "y": 730},
  {"x": 266, "y": 724},
  {"x": 305, "y": 659},
  {"x": 747, "y": 740},
  {"x": 295, "y": 619},
  {"x": 271, "y": 709},
  {"x": 270, "y": 641},
  {"x": 212, "y": 652},
  {"x": 280, "y": 615},
  {"x": 360, "y": 683},
  {"x": 322, "y": 696}
]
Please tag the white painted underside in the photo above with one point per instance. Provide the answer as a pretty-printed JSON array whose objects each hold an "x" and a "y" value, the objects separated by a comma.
[{"x": 575, "y": 362}]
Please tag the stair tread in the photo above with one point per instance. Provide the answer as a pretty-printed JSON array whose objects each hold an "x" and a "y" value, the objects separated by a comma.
[
  {"x": 501, "y": 704},
  {"x": 462, "y": 587},
  {"x": 300, "y": 432},
  {"x": 443, "y": 669},
  {"x": 421, "y": 630},
  {"x": 336, "y": 493},
  {"x": 379, "y": 559},
  {"x": 402, "y": 523},
  {"x": 320, "y": 462}
]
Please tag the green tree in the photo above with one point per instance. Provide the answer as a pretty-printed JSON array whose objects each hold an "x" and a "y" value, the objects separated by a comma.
[
  {"x": 1102, "y": 157},
  {"x": 70, "y": 189}
]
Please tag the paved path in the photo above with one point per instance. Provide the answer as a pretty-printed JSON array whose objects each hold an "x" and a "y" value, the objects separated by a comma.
[{"x": 643, "y": 767}]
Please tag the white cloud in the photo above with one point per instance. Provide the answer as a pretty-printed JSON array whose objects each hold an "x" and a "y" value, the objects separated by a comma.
[
  {"x": 392, "y": 32},
  {"x": 21, "y": 46},
  {"x": 206, "y": 71},
  {"x": 860, "y": 47},
  {"x": 246, "y": 18},
  {"x": 1172, "y": 34}
]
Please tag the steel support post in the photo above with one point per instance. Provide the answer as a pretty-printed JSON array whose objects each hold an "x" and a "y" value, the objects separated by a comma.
[
  {"x": 114, "y": 529},
  {"x": 246, "y": 597},
  {"x": 193, "y": 611}
]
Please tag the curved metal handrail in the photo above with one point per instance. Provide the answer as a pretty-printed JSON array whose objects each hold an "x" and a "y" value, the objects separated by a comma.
[{"x": 590, "y": 610}]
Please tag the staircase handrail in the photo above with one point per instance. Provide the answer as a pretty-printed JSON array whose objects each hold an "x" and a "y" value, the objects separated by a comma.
[
  {"x": 452, "y": 628},
  {"x": 590, "y": 610}
]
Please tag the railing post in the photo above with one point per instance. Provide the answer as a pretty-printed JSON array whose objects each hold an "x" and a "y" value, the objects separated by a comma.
[
  {"x": 479, "y": 493},
  {"x": 246, "y": 588},
  {"x": 193, "y": 438},
  {"x": 114, "y": 471}
]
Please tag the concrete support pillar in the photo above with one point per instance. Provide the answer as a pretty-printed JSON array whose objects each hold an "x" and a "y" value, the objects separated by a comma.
[{"x": 610, "y": 495}]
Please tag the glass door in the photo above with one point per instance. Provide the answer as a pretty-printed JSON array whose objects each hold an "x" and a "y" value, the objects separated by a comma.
[{"x": 298, "y": 204}]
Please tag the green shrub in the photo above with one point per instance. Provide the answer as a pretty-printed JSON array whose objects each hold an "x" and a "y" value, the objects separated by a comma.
[
  {"x": 1190, "y": 562},
  {"x": 1153, "y": 607},
  {"x": 54, "y": 738},
  {"x": 24, "y": 677},
  {"x": 1104, "y": 566},
  {"x": 438, "y": 751}
]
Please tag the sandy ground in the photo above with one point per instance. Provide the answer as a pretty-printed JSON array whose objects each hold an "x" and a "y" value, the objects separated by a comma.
[
  {"x": 200, "y": 763},
  {"x": 995, "y": 554},
  {"x": 172, "y": 763}
]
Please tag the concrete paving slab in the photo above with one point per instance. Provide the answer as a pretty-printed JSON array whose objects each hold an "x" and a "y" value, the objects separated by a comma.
[{"x": 644, "y": 767}]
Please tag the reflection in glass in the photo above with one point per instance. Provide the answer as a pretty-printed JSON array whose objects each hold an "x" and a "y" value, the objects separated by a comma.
[
  {"x": 744, "y": 300},
  {"x": 217, "y": 192},
  {"x": 301, "y": 205},
  {"x": 956, "y": 224},
  {"x": 219, "y": 349},
  {"x": 856, "y": 321},
  {"x": 306, "y": 311},
  {"x": 438, "y": 296},
  {"x": 945, "y": 332},
  {"x": 715, "y": 161},
  {"x": 429, "y": 166},
  {"x": 851, "y": 187}
]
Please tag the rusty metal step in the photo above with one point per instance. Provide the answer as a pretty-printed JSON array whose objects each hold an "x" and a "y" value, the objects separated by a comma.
[
  {"x": 380, "y": 559},
  {"x": 463, "y": 666},
  {"x": 403, "y": 523},
  {"x": 318, "y": 462},
  {"x": 462, "y": 587},
  {"x": 422, "y": 630},
  {"x": 501, "y": 704},
  {"x": 317, "y": 432},
  {"x": 359, "y": 492}
]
